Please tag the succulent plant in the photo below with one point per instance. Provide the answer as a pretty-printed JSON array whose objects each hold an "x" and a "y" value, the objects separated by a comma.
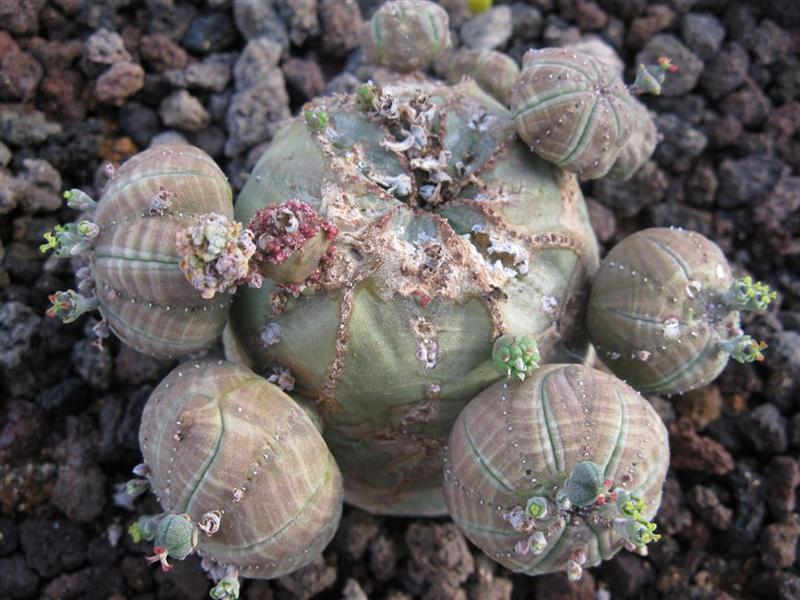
[
  {"x": 664, "y": 311},
  {"x": 556, "y": 472},
  {"x": 134, "y": 276},
  {"x": 494, "y": 71},
  {"x": 573, "y": 110},
  {"x": 243, "y": 475},
  {"x": 406, "y": 35},
  {"x": 449, "y": 235}
]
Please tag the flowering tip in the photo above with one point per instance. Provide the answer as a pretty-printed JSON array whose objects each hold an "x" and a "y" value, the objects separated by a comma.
[
  {"x": 69, "y": 305},
  {"x": 160, "y": 556},
  {"x": 79, "y": 200},
  {"x": 228, "y": 587},
  {"x": 744, "y": 349},
  {"x": 71, "y": 239},
  {"x": 746, "y": 294},
  {"x": 515, "y": 356},
  {"x": 317, "y": 119},
  {"x": 650, "y": 78}
]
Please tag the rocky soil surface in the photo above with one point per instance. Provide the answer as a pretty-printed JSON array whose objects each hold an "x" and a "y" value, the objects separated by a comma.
[{"x": 87, "y": 82}]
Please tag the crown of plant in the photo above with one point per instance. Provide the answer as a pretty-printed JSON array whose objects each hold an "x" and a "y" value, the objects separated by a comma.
[
  {"x": 135, "y": 275},
  {"x": 243, "y": 476},
  {"x": 428, "y": 232},
  {"x": 557, "y": 472},
  {"x": 406, "y": 35},
  {"x": 664, "y": 311},
  {"x": 574, "y": 111}
]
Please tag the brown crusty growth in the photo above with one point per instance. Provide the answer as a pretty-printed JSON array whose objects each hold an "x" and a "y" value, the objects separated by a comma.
[
  {"x": 217, "y": 437},
  {"x": 572, "y": 109},
  {"x": 518, "y": 441},
  {"x": 142, "y": 292}
]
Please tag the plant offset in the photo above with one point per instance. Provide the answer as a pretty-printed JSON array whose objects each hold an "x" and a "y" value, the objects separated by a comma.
[{"x": 414, "y": 262}]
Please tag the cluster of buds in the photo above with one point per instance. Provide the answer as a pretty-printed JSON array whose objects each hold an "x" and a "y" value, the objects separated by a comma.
[
  {"x": 71, "y": 239},
  {"x": 746, "y": 294},
  {"x": 515, "y": 356},
  {"x": 744, "y": 349},
  {"x": 215, "y": 255},
  {"x": 317, "y": 119},
  {"x": 524, "y": 521},
  {"x": 70, "y": 305},
  {"x": 633, "y": 527},
  {"x": 650, "y": 78},
  {"x": 79, "y": 200}
]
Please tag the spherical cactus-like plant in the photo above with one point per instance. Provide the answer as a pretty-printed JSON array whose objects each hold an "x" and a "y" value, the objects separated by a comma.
[
  {"x": 406, "y": 35},
  {"x": 664, "y": 311},
  {"x": 136, "y": 277},
  {"x": 242, "y": 474},
  {"x": 448, "y": 234},
  {"x": 556, "y": 472},
  {"x": 494, "y": 71},
  {"x": 572, "y": 110}
]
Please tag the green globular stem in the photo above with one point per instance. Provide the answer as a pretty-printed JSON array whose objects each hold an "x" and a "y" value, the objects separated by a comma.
[
  {"x": 317, "y": 119},
  {"x": 746, "y": 294},
  {"x": 70, "y": 305},
  {"x": 515, "y": 356},
  {"x": 228, "y": 587},
  {"x": 71, "y": 239},
  {"x": 650, "y": 78},
  {"x": 144, "y": 528},
  {"x": 79, "y": 200},
  {"x": 744, "y": 349},
  {"x": 176, "y": 537}
]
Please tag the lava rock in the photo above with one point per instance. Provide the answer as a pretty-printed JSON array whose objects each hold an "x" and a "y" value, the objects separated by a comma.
[
  {"x": 79, "y": 492},
  {"x": 51, "y": 547},
  {"x": 339, "y": 21},
  {"x": 726, "y": 71},
  {"x": 23, "y": 431},
  {"x": 554, "y": 586},
  {"x": 20, "y": 74},
  {"x": 702, "y": 405},
  {"x": 182, "y": 110},
  {"x": 681, "y": 145},
  {"x": 784, "y": 365},
  {"x": 9, "y": 536},
  {"x": 603, "y": 221},
  {"x": 490, "y": 30},
  {"x": 776, "y": 585},
  {"x": 693, "y": 452},
  {"x": 783, "y": 477},
  {"x": 21, "y": 17},
  {"x": 384, "y": 554},
  {"x": 748, "y": 105},
  {"x": 627, "y": 575},
  {"x": 703, "y": 33},
  {"x": 213, "y": 73},
  {"x": 121, "y": 81},
  {"x": 706, "y": 505},
  {"x": 304, "y": 79},
  {"x": 747, "y": 180},
  {"x": 66, "y": 397},
  {"x": 527, "y": 22},
  {"x": 261, "y": 19},
  {"x": 17, "y": 579},
  {"x": 701, "y": 185},
  {"x": 657, "y": 18},
  {"x": 139, "y": 122},
  {"x": 209, "y": 33},
  {"x": 690, "y": 67},
  {"x": 256, "y": 113},
  {"x": 779, "y": 543},
  {"x": 261, "y": 55},
  {"x": 22, "y": 125},
  {"x": 161, "y": 54},
  {"x": 356, "y": 531},
  {"x": 119, "y": 421},
  {"x": 308, "y": 581},
  {"x": 438, "y": 555},
  {"x": 94, "y": 365},
  {"x": 767, "y": 430},
  {"x": 19, "y": 327},
  {"x": 101, "y": 50},
  {"x": 770, "y": 42},
  {"x": 38, "y": 187}
]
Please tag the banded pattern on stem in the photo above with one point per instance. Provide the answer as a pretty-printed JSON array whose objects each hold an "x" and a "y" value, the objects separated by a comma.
[
  {"x": 513, "y": 448},
  {"x": 142, "y": 292},
  {"x": 659, "y": 313},
  {"x": 217, "y": 437}
]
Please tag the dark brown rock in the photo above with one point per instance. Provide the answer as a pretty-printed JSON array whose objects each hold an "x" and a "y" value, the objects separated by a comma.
[{"x": 693, "y": 452}]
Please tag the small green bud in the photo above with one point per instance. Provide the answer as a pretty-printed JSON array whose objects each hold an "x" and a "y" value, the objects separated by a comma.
[
  {"x": 79, "y": 200},
  {"x": 515, "y": 355},
  {"x": 70, "y": 305},
  {"x": 367, "y": 95},
  {"x": 136, "y": 487},
  {"x": 144, "y": 528},
  {"x": 317, "y": 119},
  {"x": 71, "y": 239},
  {"x": 227, "y": 588},
  {"x": 537, "y": 507}
]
